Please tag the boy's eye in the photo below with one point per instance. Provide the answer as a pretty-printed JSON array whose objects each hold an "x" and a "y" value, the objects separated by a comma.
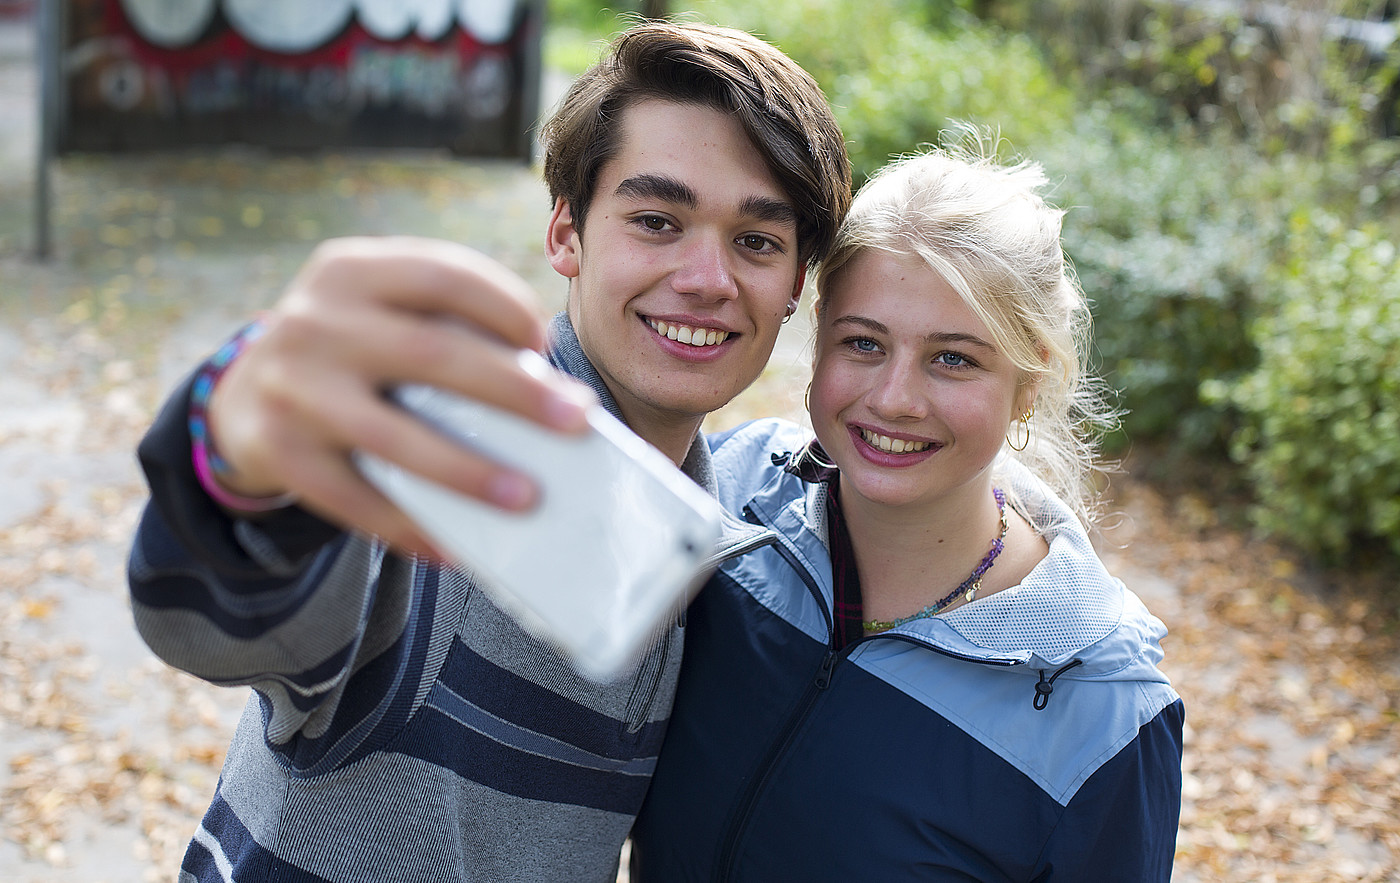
[
  {"x": 755, "y": 242},
  {"x": 654, "y": 222}
]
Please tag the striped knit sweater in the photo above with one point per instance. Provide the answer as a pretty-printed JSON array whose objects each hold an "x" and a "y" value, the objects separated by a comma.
[{"x": 400, "y": 727}]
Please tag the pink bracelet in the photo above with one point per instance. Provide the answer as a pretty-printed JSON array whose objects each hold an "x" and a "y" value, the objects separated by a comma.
[{"x": 207, "y": 463}]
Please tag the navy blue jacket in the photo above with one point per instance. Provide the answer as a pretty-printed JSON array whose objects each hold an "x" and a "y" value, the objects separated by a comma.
[{"x": 1026, "y": 736}]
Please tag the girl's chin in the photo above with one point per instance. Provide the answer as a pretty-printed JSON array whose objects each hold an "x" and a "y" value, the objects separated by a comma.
[{"x": 880, "y": 490}]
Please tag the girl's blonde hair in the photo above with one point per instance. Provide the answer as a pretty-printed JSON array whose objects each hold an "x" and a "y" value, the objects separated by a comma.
[{"x": 985, "y": 229}]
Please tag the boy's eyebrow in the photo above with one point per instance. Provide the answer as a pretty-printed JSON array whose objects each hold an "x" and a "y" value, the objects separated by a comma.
[
  {"x": 659, "y": 187},
  {"x": 766, "y": 208},
  {"x": 668, "y": 189}
]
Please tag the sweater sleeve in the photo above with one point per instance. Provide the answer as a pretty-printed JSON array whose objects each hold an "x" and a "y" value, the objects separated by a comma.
[
  {"x": 287, "y": 604},
  {"x": 1121, "y": 826}
]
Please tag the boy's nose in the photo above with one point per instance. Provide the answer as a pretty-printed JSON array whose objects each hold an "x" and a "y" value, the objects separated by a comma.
[{"x": 706, "y": 270}]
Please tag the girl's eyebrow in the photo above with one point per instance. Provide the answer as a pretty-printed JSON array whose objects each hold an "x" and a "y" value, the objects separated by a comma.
[
  {"x": 938, "y": 338},
  {"x": 862, "y": 322}
]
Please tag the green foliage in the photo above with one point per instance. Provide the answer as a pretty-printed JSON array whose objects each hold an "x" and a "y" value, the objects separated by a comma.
[
  {"x": 1321, "y": 432},
  {"x": 1170, "y": 235},
  {"x": 1276, "y": 74},
  {"x": 899, "y": 72},
  {"x": 578, "y": 31}
]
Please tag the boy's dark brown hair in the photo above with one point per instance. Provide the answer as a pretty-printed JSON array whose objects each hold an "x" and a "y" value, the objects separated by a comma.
[{"x": 779, "y": 106}]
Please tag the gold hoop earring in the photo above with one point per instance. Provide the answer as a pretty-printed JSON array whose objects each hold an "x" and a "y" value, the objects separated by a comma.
[
  {"x": 807, "y": 398},
  {"x": 1023, "y": 428}
]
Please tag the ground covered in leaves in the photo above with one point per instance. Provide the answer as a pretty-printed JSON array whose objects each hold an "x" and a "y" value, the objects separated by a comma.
[
  {"x": 1292, "y": 764},
  {"x": 107, "y": 759}
]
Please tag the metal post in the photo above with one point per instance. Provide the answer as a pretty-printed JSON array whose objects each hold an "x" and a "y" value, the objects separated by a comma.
[{"x": 47, "y": 20}]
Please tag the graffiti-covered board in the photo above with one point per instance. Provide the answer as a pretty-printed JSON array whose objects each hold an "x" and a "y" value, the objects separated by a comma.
[{"x": 301, "y": 74}]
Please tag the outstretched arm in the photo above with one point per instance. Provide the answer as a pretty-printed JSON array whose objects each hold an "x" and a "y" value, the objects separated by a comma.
[{"x": 363, "y": 315}]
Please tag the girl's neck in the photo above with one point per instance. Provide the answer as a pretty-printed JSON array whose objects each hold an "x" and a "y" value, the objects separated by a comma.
[{"x": 909, "y": 557}]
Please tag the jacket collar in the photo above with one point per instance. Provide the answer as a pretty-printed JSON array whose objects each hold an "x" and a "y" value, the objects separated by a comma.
[{"x": 1068, "y": 607}]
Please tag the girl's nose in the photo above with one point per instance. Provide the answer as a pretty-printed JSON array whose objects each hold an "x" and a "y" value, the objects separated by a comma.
[{"x": 898, "y": 392}]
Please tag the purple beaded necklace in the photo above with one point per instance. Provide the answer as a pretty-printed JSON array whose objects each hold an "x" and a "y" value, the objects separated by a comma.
[{"x": 967, "y": 588}]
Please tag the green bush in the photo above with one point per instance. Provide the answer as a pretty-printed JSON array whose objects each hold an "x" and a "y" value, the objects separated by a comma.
[
  {"x": 1321, "y": 434},
  {"x": 1171, "y": 236},
  {"x": 1278, "y": 74},
  {"x": 899, "y": 72}
]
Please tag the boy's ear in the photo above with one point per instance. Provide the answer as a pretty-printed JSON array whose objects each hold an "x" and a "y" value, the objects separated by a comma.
[
  {"x": 561, "y": 241},
  {"x": 797, "y": 288}
]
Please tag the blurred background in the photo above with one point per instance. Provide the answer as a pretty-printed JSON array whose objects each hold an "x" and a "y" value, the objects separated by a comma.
[{"x": 1231, "y": 176}]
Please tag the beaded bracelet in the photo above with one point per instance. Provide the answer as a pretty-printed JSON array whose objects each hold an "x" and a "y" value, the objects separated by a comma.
[{"x": 208, "y": 465}]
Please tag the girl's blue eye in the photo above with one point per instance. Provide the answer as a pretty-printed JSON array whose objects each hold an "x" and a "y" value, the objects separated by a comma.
[
  {"x": 865, "y": 344},
  {"x": 952, "y": 360}
]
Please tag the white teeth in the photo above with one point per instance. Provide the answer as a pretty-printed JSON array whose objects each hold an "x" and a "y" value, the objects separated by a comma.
[
  {"x": 686, "y": 334},
  {"x": 894, "y": 445}
]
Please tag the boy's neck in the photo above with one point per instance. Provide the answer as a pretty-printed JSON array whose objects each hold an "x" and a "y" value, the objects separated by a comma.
[{"x": 673, "y": 436}]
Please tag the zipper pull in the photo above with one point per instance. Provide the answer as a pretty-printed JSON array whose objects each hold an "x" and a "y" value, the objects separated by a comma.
[{"x": 824, "y": 673}]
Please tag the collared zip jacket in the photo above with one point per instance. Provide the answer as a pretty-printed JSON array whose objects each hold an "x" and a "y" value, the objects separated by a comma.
[{"x": 1026, "y": 736}]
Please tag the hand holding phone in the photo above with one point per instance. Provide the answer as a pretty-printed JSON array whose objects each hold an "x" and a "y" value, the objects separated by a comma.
[{"x": 614, "y": 547}]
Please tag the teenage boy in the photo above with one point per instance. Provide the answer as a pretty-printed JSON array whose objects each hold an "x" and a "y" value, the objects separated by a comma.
[{"x": 402, "y": 727}]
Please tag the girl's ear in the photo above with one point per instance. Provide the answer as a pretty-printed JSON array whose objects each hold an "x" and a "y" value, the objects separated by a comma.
[
  {"x": 1025, "y": 398},
  {"x": 562, "y": 245}
]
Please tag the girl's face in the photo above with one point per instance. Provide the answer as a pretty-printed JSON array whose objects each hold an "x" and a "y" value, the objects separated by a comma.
[{"x": 910, "y": 398}]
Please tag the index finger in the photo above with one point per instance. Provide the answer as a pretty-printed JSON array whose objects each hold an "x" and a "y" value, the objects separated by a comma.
[{"x": 431, "y": 276}]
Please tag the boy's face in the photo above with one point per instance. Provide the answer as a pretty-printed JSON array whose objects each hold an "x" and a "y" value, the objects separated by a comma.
[{"x": 688, "y": 266}]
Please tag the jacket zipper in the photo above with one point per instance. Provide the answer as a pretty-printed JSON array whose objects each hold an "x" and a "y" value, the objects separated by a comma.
[
  {"x": 818, "y": 684},
  {"x": 767, "y": 538}
]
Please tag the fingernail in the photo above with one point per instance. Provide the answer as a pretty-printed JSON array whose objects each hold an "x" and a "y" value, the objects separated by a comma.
[{"x": 510, "y": 490}]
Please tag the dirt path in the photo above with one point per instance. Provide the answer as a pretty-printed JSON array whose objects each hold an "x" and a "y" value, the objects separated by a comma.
[{"x": 107, "y": 759}]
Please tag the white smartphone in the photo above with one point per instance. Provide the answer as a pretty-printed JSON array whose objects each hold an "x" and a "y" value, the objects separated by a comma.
[{"x": 615, "y": 546}]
